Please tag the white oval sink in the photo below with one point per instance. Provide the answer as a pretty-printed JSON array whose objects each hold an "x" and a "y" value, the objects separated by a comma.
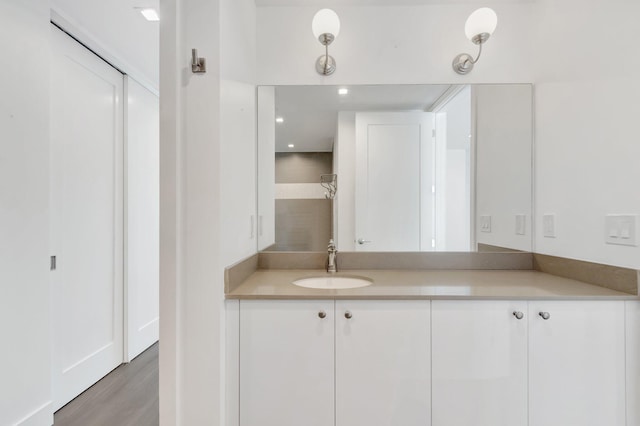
[{"x": 333, "y": 282}]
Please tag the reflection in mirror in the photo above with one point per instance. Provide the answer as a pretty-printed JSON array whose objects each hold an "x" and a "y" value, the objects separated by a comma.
[{"x": 419, "y": 167}]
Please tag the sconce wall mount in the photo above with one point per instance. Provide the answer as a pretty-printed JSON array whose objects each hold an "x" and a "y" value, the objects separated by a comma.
[
  {"x": 325, "y": 64},
  {"x": 326, "y": 27},
  {"x": 478, "y": 28}
]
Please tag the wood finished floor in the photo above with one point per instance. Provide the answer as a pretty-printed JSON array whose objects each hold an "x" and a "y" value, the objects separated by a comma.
[{"x": 128, "y": 396}]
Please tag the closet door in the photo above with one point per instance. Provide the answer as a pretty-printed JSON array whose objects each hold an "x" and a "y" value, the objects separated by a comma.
[{"x": 86, "y": 217}]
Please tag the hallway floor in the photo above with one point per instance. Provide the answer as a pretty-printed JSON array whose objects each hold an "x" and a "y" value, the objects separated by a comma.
[{"x": 128, "y": 396}]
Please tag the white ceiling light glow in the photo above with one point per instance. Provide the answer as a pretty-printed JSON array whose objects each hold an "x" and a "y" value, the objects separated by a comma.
[
  {"x": 279, "y": 120},
  {"x": 150, "y": 14},
  {"x": 291, "y": 145},
  {"x": 343, "y": 91}
]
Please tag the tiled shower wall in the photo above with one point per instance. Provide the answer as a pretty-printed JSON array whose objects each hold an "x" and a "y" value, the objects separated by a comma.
[{"x": 303, "y": 214}]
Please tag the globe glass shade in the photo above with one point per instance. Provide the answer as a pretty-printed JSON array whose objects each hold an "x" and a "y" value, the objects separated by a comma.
[
  {"x": 483, "y": 20},
  {"x": 326, "y": 21}
]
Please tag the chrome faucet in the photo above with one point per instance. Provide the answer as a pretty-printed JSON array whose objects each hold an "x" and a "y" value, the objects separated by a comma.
[{"x": 333, "y": 257}]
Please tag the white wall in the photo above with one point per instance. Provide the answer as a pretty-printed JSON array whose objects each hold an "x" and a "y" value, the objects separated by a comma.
[
  {"x": 503, "y": 132},
  {"x": 25, "y": 359},
  {"x": 586, "y": 114},
  {"x": 142, "y": 217},
  {"x": 238, "y": 170},
  {"x": 385, "y": 45},
  {"x": 344, "y": 160},
  {"x": 266, "y": 169},
  {"x": 191, "y": 296},
  {"x": 238, "y": 129},
  {"x": 453, "y": 191},
  {"x": 201, "y": 160}
]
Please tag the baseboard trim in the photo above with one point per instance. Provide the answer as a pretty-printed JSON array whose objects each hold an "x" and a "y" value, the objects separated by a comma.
[{"x": 42, "y": 416}]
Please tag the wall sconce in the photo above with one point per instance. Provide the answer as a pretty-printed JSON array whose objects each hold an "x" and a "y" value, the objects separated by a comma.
[
  {"x": 326, "y": 27},
  {"x": 478, "y": 28}
]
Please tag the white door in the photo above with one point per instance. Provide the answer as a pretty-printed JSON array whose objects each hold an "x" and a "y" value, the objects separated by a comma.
[
  {"x": 286, "y": 363},
  {"x": 479, "y": 363},
  {"x": 142, "y": 224},
  {"x": 86, "y": 217},
  {"x": 576, "y": 363},
  {"x": 383, "y": 365},
  {"x": 395, "y": 168}
]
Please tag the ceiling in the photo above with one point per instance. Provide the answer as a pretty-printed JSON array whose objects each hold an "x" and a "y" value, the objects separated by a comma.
[
  {"x": 310, "y": 113},
  {"x": 117, "y": 28}
]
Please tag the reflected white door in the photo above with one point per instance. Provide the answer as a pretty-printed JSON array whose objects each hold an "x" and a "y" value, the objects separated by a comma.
[
  {"x": 394, "y": 181},
  {"x": 86, "y": 217}
]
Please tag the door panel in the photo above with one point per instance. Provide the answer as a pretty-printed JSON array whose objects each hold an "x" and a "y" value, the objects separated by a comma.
[
  {"x": 86, "y": 217},
  {"x": 577, "y": 363},
  {"x": 383, "y": 365},
  {"x": 286, "y": 363},
  {"x": 479, "y": 363},
  {"x": 143, "y": 229},
  {"x": 394, "y": 178}
]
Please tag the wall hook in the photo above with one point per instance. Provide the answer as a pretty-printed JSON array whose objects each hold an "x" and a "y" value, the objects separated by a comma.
[{"x": 198, "y": 65}]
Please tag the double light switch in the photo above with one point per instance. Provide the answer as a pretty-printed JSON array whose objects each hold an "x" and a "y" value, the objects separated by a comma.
[{"x": 621, "y": 229}]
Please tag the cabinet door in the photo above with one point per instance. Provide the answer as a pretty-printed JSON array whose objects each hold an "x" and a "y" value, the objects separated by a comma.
[
  {"x": 383, "y": 363},
  {"x": 577, "y": 364},
  {"x": 633, "y": 362},
  {"x": 479, "y": 363},
  {"x": 286, "y": 363}
]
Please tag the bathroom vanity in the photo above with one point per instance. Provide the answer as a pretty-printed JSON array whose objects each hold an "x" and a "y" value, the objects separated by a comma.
[
  {"x": 491, "y": 335},
  {"x": 432, "y": 347}
]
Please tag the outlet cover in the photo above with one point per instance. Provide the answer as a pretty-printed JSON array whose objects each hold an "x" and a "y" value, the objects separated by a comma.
[
  {"x": 621, "y": 229},
  {"x": 485, "y": 223},
  {"x": 521, "y": 224},
  {"x": 549, "y": 225}
]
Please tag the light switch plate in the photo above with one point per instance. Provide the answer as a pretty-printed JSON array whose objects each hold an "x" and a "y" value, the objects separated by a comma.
[
  {"x": 549, "y": 225},
  {"x": 621, "y": 229},
  {"x": 485, "y": 223},
  {"x": 521, "y": 224}
]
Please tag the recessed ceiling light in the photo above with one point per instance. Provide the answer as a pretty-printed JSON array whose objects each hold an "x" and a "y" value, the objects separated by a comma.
[
  {"x": 150, "y": 14},
  {"x": 343, "y": 91},
  {"x": 290, "y": 145},
  {"x": 279, "y": 120}
]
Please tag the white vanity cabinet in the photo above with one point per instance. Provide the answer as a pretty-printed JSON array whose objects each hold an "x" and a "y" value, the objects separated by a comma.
[
  {"x": 565, "y": 370},
  {"x": 479, "y": 363},
  {"x": 577, "y": 363},
  {"x": 286, "y": 363},
  {"x": 381, "y": 375},
  {"x": 632, "y": 310},
  {"x": 440, "y": 363},
  {"x": 383, "y": 363}
]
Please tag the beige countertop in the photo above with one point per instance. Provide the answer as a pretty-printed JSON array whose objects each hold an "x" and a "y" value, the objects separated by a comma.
[{"x": 425, "y": 284}]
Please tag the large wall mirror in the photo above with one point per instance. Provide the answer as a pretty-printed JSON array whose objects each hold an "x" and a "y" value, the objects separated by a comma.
[{"x": 414, "y": 167}]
